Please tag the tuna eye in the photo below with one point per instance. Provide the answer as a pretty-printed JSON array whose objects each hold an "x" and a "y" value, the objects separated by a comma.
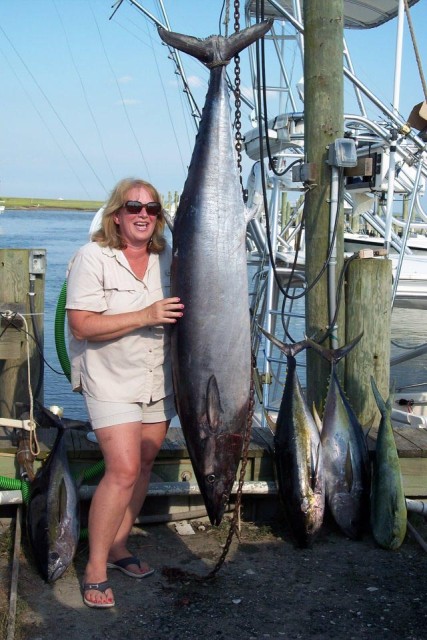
[
  {"x": 210, "y": 478},
  {"x": 54, "y": 555}
]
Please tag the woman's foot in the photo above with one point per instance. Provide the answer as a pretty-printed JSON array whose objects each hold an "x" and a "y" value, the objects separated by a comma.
[
  {"x": 131, "y": 566},
  {"x": 98, "y": 595}
]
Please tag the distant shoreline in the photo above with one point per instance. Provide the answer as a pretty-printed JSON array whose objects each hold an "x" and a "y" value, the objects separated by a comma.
[{"x": 49, "y": 203}]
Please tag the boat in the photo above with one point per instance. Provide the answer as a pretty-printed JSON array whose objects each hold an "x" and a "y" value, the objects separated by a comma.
[
  {"x": 384, "y": 189},
  {"x": 2, "y": 206}
]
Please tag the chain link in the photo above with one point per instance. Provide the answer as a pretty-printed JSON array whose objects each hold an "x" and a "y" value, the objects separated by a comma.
[
  {"x": 234, "y": 529},
  {"x": 173, "y": 573},
  {"x": 237, "y": 101}
]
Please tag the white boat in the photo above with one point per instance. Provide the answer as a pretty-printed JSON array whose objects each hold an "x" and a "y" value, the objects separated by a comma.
[
  {"x": 383, "y": 195},
  {"x": 2, "y": 206},
  {"x": 417, "y": 242}
]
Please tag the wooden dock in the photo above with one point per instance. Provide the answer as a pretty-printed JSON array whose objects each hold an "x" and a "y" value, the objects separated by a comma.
[
  {"x": 173, "y": 465},
  {"x": 411, "y": 443}
]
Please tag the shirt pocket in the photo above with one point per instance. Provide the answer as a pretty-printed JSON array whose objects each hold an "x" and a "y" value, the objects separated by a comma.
[{"x": 122, "y": 300}]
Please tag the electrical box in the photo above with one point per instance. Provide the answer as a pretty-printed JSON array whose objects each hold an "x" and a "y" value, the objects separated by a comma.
[
  {"x": 342, "y": 153},
  {"x": 37, "y": 262}
]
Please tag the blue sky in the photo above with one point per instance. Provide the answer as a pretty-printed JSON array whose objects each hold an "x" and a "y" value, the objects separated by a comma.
[{"x": 87, "y": 100}]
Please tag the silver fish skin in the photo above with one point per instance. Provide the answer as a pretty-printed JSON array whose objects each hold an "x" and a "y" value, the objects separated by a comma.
[
  {"x": 388, "y": 504},
  {"x": 53, "y": 513},
  {"x": 211, "y": 350},
  {"x": 345, "y": 453},
  {"x": 298, "y": 455}
]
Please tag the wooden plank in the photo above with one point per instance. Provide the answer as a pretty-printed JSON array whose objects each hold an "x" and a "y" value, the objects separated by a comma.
[
  {"x": 414, "y": 477},
  {"x": 10, "y": 343},
  {"x": 411, "y": 442},
  {"x": 265, "y": 437}
]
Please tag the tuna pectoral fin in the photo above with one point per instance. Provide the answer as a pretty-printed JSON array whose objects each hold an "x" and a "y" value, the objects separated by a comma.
[
  {"x": 62, "y": 501},
  {"x": 316, "y": 466},
  {"x": 348, "y": 470},
  {"x": 213, "y": 404},
  {"x": 317, "y": 419}
]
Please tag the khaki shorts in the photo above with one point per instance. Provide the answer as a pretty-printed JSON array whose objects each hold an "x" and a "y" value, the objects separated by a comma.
[{"x": 107, "y": 414}]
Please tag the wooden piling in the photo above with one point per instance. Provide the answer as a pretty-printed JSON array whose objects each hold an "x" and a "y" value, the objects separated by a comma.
[
  {"x": 15, "y": 289},
  {"x": 323, "y": 123},
  {"x": 368, "y": 309}
]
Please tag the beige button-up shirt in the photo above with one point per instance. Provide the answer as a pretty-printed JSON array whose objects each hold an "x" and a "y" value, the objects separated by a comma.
[{"x": 135, "y": 367}]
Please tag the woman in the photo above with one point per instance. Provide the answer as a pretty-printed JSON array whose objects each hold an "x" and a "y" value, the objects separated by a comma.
[{"x": 119, "y": 315}]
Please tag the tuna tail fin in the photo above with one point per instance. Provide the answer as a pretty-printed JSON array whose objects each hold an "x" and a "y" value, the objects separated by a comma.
[
  {"x": 287, "y": 349},
  {"x": 215, "y": 50},
  {"x": 51, "y": 419},
  {"x": 333, "y": 355},
  {"x": 383, "y": 406}
]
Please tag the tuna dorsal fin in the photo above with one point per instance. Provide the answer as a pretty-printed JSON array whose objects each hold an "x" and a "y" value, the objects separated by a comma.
[
  {"x": 215, "y": 50},
  {"x": 213, "y": 404}
]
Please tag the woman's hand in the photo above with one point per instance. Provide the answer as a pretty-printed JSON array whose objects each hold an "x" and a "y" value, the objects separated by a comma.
[{"x": 166, "y": 311}]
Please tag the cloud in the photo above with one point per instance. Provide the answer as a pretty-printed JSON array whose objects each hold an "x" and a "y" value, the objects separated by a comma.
[
  {"x": 195, "y": 81},
  {"x": 125, "y": 79}
]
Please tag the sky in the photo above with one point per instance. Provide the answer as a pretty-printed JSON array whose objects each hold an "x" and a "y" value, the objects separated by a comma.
[{"x": 87, "y": 100}]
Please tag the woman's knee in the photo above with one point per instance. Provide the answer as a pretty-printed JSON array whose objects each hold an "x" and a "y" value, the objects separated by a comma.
[{"x": 125, "y": 475}]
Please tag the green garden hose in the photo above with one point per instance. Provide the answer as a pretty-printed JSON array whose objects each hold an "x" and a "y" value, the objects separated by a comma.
[{"x": 61, "y": 348}]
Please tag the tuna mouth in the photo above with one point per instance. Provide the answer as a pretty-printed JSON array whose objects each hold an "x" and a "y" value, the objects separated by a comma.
[{"x": 56, "y": 568}]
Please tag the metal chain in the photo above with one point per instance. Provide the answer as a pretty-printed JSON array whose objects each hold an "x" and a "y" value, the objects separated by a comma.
[
  {"x": 237, "y": 101},
  {"x": 236, "y": 512},
  {"x": 173, "y": 573}
]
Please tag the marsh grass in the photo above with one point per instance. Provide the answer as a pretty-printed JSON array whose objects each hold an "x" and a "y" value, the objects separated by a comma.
[{"x": 49, "y": 203}]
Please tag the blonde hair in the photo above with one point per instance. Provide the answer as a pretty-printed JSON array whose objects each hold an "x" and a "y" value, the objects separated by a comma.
[{"x": 109, "y": 233}]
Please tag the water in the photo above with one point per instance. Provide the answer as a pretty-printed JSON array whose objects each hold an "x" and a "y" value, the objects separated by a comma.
[{"x": 61, "y": 233}]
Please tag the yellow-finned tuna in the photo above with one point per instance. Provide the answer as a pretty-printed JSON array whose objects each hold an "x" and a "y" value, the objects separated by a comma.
[
  {"x": 345, "y": 453},
  {"x": 298, "y": 455},
  {"x": 388, "y": 504}
]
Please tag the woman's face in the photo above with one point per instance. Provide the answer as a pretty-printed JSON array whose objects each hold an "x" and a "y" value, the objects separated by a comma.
[{"x": 136, "y": 228}]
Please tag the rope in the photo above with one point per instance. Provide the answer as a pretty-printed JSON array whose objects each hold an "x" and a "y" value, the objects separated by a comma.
[
  {"x": 33, "y": 436},
  {"x": 414, "y": 42},
  {"x": 10, "y": 316}
]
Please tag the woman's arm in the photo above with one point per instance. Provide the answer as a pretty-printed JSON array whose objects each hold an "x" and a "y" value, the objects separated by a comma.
[{"x": 97, "y": 327}]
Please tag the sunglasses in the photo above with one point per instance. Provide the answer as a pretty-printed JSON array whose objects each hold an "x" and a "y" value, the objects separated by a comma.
[{"x": 134, "y": 206}]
